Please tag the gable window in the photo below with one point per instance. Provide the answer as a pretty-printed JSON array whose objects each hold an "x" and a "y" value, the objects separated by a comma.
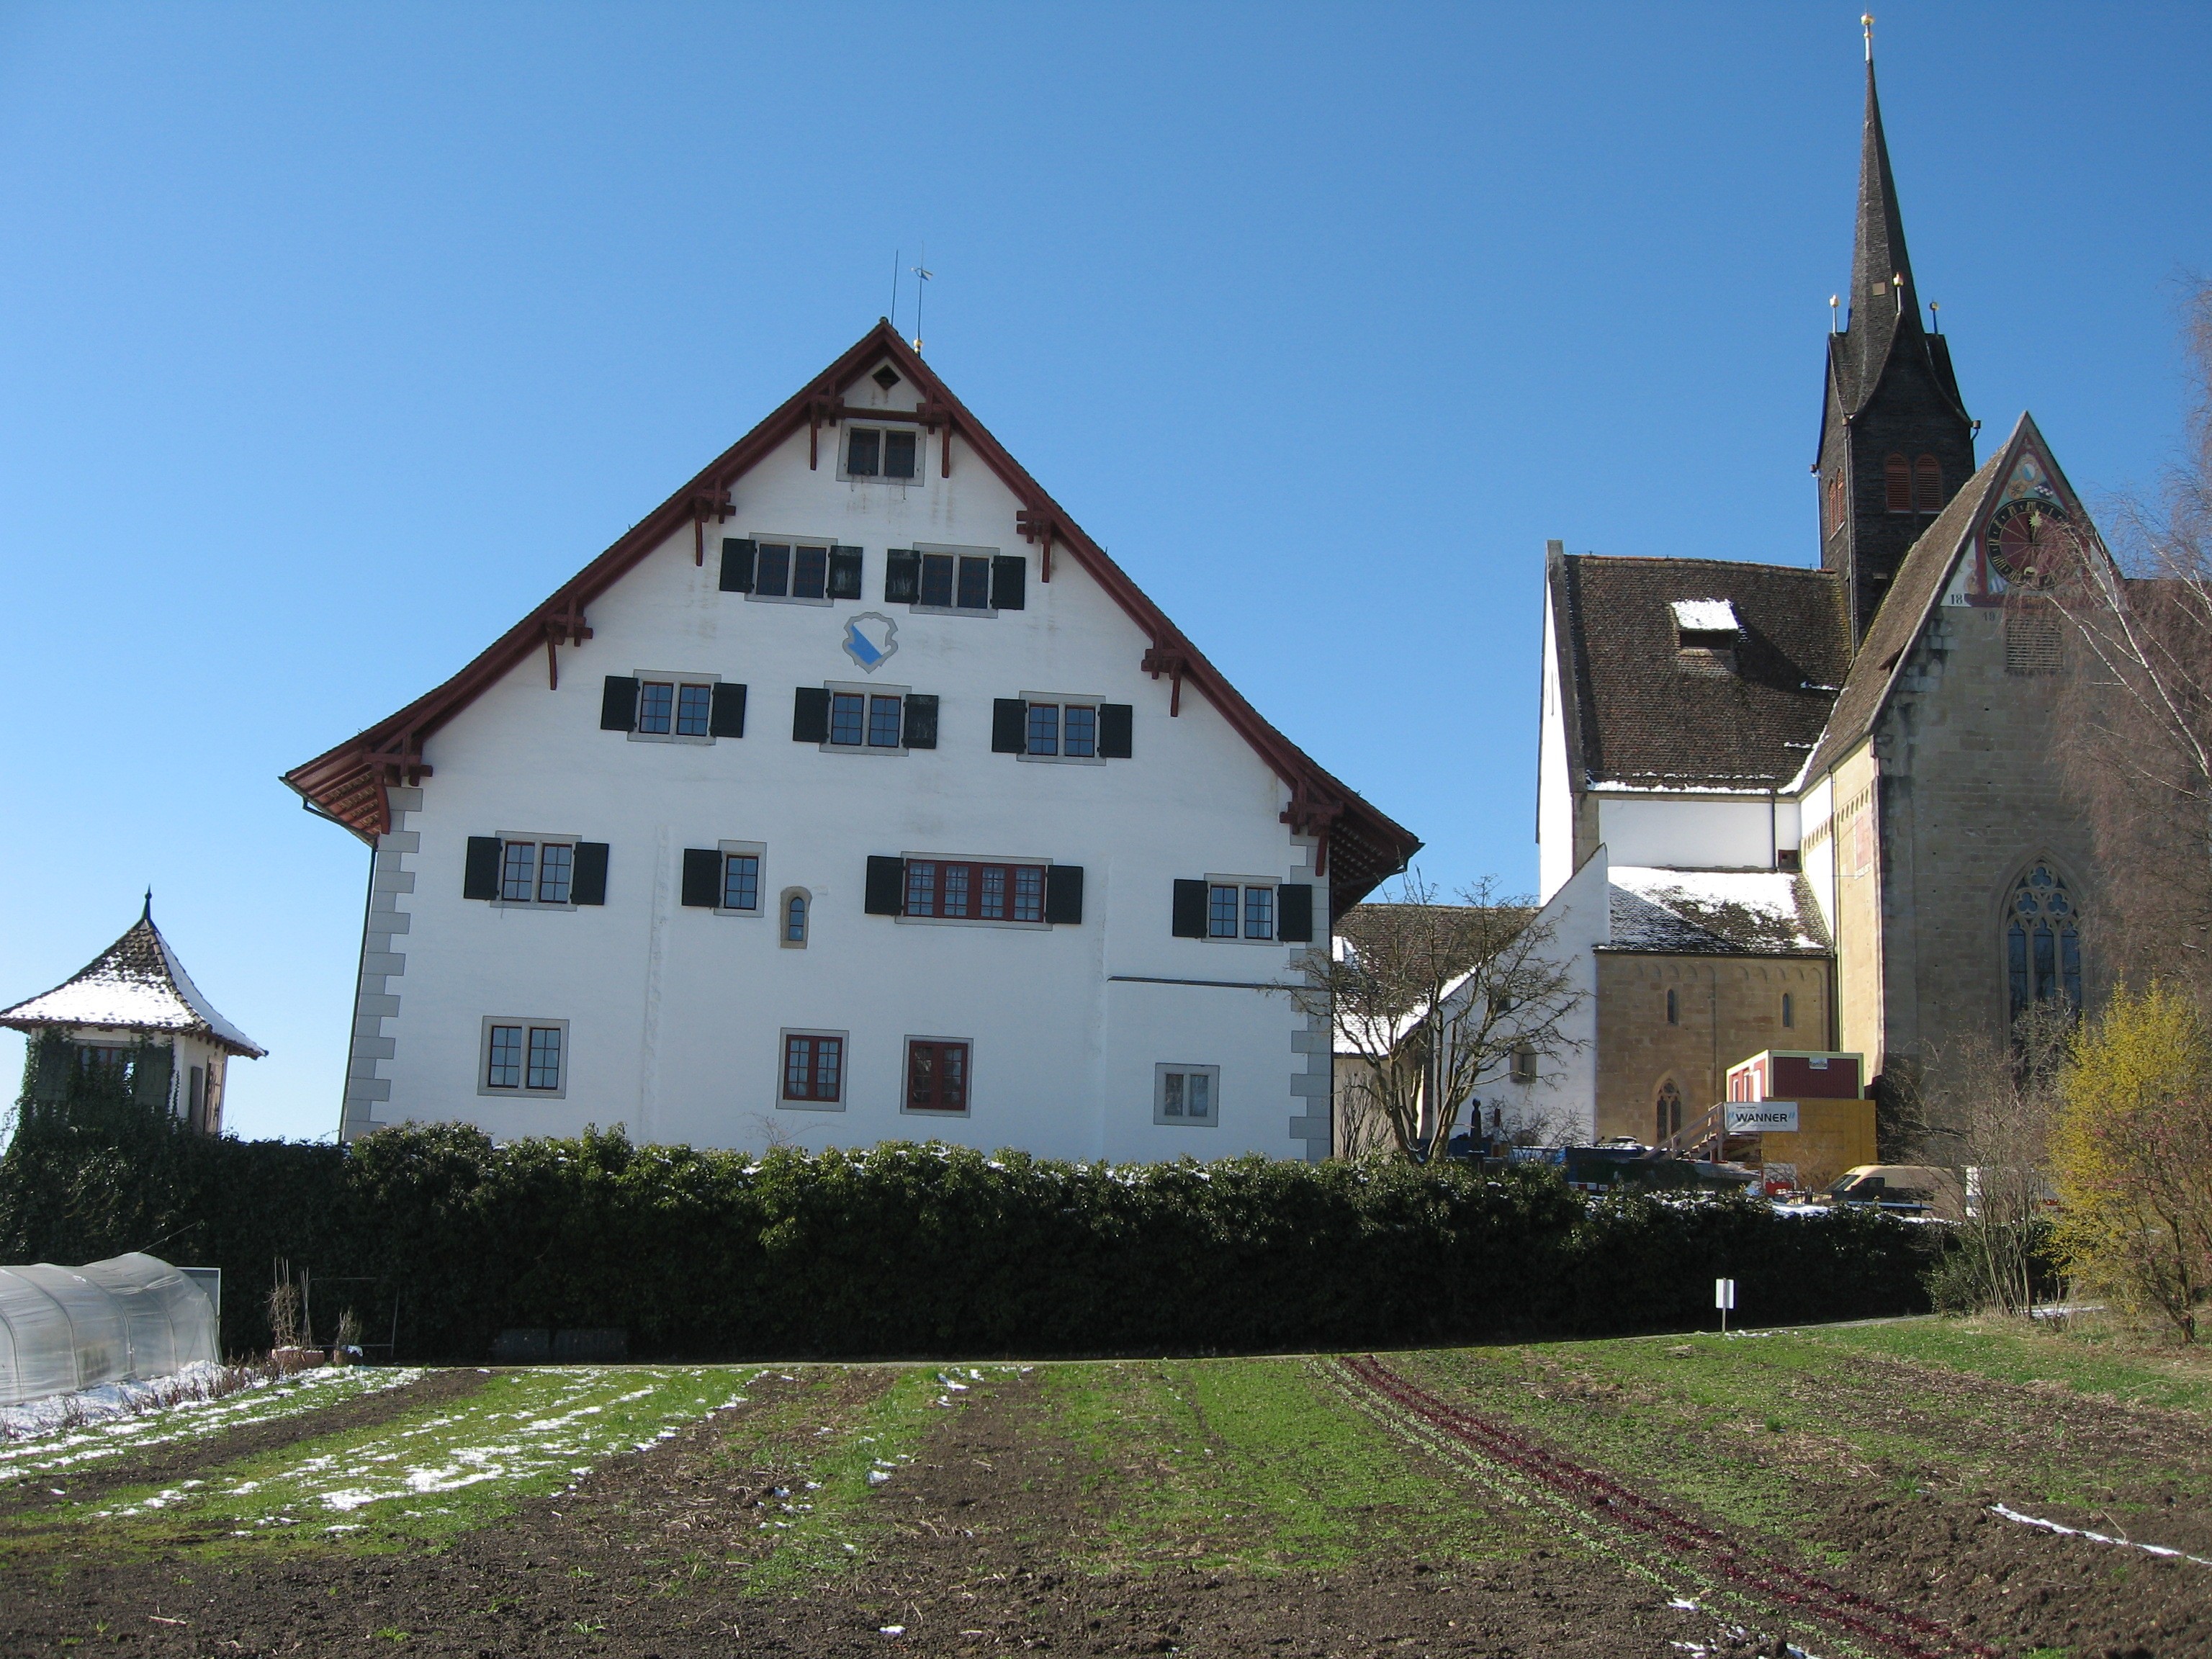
[
  {"x": 657, "y": 705},
  {"x": 2043, "y": 944},
  {"x": 790, "y": 569},
  {"x": 1062, "y": 730},
  {"x": 813, "y": 1069},
  {"x": 888, "y": 720},
  {"x": 1187, "y": 1096},
  {"x": 1246, "y": 908},
  {"x": 519, "y": 869},
  {"x": 1061, "y": 726},
  {"x": 520, "y": 1056},
  {"x": 1523, "y": 1068},
  {"x": 936, "y": 1074},
  {"x": 793, "y": 908},
  {"x": 976, "y": 581},
  {"x": 892, "y": 454}
]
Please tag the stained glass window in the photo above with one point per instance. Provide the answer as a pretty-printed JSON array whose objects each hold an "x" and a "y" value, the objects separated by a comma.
[{"x": 2043, "y": 944}]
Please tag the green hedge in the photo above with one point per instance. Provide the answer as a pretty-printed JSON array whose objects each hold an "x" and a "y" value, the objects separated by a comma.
[{"x": 923, "y": 1249}]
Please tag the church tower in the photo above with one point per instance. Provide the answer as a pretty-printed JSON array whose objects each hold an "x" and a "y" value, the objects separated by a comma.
[{"x": 1895, "y": 440}]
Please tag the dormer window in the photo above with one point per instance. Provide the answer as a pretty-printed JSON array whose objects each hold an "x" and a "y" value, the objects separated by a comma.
[
  {"x": 1706, "y": 632},
  {"x": 891, "y": 454}
]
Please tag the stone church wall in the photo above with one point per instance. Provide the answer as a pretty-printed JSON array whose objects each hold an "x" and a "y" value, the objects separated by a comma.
[
  {"x": 1727, "y": 1009},
  {"x": 1970, "y": 794}
]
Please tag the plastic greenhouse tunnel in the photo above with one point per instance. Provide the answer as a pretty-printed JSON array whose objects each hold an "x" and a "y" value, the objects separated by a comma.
[{"x": 127, "y": 1319}]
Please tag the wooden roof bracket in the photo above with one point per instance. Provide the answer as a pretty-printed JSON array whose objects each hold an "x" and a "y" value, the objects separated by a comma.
[
  {"x": 564, "y": 620},
  {"x": 1041, "y": 525},
  {"x": 1168, "y": 658},
  {"x": 1315, "y": 815},
  {"x": 716, "y": 507},
  {"x": 823, "y": 406},
  {"x": 933, "y": 412}
]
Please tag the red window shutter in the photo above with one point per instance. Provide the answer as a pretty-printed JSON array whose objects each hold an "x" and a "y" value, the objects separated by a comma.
[
  {"x": 1897, "y": 483},
  {"x": 1927, "y": 485}
]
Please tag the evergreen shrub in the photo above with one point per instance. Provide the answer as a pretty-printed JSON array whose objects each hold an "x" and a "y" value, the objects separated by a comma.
[{"x": 906, "y": 1249}]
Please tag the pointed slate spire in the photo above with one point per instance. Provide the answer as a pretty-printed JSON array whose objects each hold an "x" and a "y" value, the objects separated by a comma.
[{"x": 1884, "y": 303}]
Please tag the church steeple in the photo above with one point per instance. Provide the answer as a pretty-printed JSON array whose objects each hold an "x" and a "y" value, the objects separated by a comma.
[{"x": 1896, "y": 441}]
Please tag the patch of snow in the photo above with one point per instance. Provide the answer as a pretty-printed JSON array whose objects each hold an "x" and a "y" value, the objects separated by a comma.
[{"x": 1706, "y": 616}]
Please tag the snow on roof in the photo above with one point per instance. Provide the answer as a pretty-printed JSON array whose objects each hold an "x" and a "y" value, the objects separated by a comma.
[
  {"x": 136, "y": 984},
  {"x": 1728, "y": 912},
  {"x": 1706, "y": 616}
]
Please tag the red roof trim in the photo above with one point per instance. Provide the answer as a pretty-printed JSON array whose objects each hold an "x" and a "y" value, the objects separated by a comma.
[{"x": 349, "y": 782}]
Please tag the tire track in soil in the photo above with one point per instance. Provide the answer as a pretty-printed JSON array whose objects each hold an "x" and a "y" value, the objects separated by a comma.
[{"x": 1767, "y": 1584}]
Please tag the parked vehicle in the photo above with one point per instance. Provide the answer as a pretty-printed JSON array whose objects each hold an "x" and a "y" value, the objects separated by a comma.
[{"x": 1903, "y": 1189}]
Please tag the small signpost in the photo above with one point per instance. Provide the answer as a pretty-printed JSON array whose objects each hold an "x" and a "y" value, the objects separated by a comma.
[{"x": 1724, "y": 1300}]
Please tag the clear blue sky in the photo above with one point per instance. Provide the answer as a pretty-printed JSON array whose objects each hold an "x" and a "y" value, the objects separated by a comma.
[{"x": 335, "y": 337}]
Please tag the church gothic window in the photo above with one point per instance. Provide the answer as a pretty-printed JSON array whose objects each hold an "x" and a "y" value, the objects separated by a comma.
[
  {"x": 2043, "y": 943},
  {"x": 1835, "y": 501},
  {"x": 1667, "y": 1112}
]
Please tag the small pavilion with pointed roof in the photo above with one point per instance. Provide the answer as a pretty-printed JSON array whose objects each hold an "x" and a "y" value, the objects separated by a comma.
[{"x": 134, "y": 1013}]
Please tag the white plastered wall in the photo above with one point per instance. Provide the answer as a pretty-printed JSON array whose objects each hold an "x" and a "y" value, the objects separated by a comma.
[
  {"x": 1563, "y": 1101},
  {"x": 1697, "y": 831}
]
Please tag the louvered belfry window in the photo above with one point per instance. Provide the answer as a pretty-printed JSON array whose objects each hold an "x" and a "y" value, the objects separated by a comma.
[
  {"x": 1927, "y": 485},
  {"x": 1897, "y": 483}
]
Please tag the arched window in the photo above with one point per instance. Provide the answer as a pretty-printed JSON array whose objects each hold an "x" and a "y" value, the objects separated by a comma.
[
  {"x": 1927, "y": 485},
  {"x": 2043, "y": 943},
  {"x": 1674, "y": 1009},
  {"x": 1835, "y": 501},
  {"x": 1789, "y": 1012},
  {"x": 791, "y": 917},
  {"x": 1667, "y": 1112},
  {"x": 1897, "y": 483}
]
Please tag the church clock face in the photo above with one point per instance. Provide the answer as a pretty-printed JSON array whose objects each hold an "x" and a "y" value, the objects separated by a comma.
[{"x": 2026, "y": 539}]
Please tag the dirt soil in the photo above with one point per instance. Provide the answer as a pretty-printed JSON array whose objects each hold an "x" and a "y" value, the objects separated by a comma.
[{"x": 984, "y": 1527}]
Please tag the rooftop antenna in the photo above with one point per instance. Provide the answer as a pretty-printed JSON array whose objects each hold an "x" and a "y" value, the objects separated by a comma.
[
  {"x": 1833, "y": 299},
  {"x": 1866, "y": 21},
  {"x": 922, "y": 274},
  {"x": 893, "y": 318}
]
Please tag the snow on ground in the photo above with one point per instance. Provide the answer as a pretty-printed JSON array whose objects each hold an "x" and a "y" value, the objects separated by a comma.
[
  {"x": 63, "y": 1430},
  {"x": 565, "y": 1419}
]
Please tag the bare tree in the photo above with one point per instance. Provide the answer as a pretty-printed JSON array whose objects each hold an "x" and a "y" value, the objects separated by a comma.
[
  {"x": 2137, "y": 709},
  {"x": 1432, "y": 999},
  {"x": 1994, "y": 1104}
]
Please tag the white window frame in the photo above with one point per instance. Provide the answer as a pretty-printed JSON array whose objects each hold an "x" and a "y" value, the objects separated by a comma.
[
  {"x": 1183, "y": 1120},
  {"x": 782, "y": 539},
  {"x": 1040, "y": 926},
  {"x": 844, "y": 1069},
  {"x": 906, "y": 1110},
  {"x": 1062, "y": 701},
  {"x": 1243, "y": 883},
  {"x": 757, "y": 849},
  {"x": 522, "y": 1091},
  {"x": 864, "y": 691},
  {"x": 863, "y": 423},
  {"x": 679, "y": 680},
  {"x": 783, "y": 918},
  {"x": 500, "y": 901},
  {"x": 986, "y": 554}
]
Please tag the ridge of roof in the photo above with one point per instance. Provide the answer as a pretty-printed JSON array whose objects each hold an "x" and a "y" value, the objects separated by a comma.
[
  {"x": 1905, "y": 609},
  {"x": 347, "y": 783},
  {"x": 137, "y": 983}
]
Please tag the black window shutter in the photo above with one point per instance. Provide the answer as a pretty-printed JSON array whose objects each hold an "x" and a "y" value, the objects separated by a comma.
[
  {"x": 726, "y": 718},
  {"x": 1294, "y": 913},
  {"x": 618, "y": 704},
  {"x": 810, "y": 714},
  {"x": 702, "y": 878},
  {"x": 1116, "y": 721},
  {"x": 920, "y": 719},
  {"x": 844, "y": 573},
  {"x": 1009, "y": 717},
  {"x": 737, "y": 565},
  {"x": 1009, "y": 575},
  {"x": 901, "y": 576},
  {"x": 480, "y": 879},
  {"x": 1189, "y": 911},
  {"x": 590, "y": 886},
  {"x": 886, "y": 895},
  {"x": 1063, "y": 893}
]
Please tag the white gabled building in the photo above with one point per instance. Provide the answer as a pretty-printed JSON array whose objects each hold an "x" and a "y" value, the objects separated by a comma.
[{"x": 855, "y": 794}]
